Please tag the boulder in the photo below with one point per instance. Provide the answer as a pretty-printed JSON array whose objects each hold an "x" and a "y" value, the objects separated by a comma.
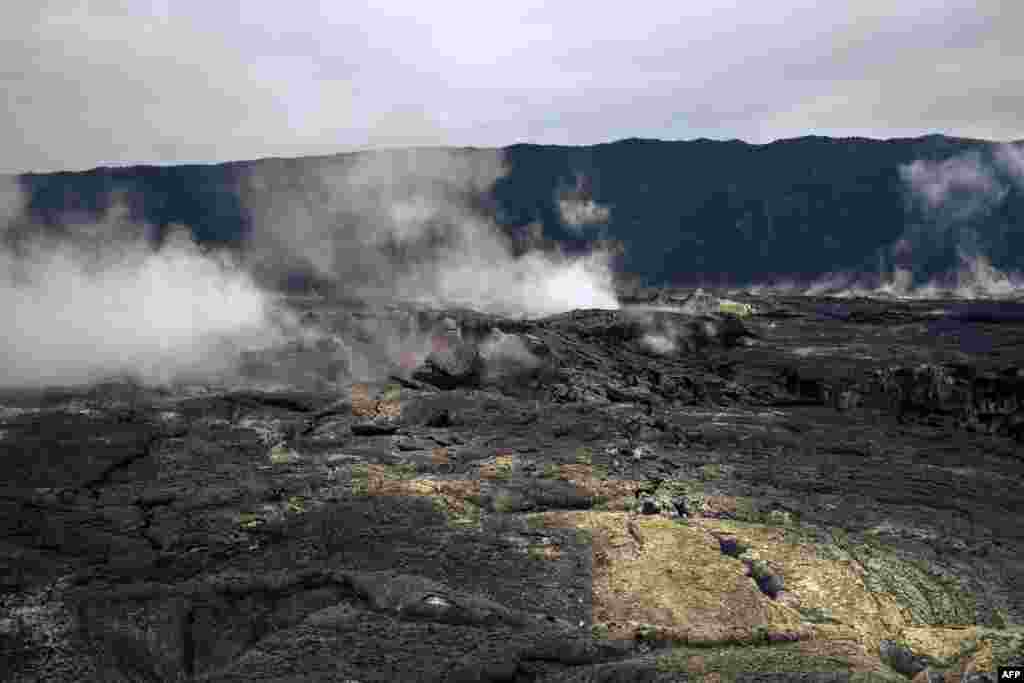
[
  {"x": 452, "y": 364},
  {"x": 900, "y": 658}
]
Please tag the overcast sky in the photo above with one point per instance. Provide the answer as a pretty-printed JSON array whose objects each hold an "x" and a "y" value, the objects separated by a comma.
[{"x": 113, "y": 82}]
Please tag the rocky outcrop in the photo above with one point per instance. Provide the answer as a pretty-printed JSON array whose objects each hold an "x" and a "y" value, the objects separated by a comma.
[{"x": 989, "y": 401}]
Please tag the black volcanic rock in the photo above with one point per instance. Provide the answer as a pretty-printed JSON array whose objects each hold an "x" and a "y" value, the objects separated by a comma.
[
  {"x": 375, "y": 428},
  {"x": 901, "y": 658},
  {"x": 842, "y": 496},
  {"x": 456, "y": 365}
]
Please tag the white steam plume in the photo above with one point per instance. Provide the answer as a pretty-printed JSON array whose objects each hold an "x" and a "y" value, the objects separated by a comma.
[
  {"x": 1011, "y": 158},
  {"x": 975, "y": 278},
  {"x": 96, "y": 302},
  {"x": 662, "y": 344},
  {"x": 577, "y": 213},
  {"x": 11, "y": 202},
  {"x": 413, "y": 225},
  {"x": 505, "y": 354},
  {"x": 578, "y": 210},
  {"x": 959, "y": 186},
  {"x": 951, "y": 192}
]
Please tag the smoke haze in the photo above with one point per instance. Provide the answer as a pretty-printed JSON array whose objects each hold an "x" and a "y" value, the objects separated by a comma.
[
  {"x": 110, "y": 297},
  {"x": 11, "y": 201},
  {"x": 115, "y": 297},
  {"x": 956, "y": 188},
  {"x": 949, "y": 194},
  {"x": 578, "y": 210},
  {"x": 100, "y": 301},
  {"x": 413, "y": 225},
  {"x": 578, "y": 213}
]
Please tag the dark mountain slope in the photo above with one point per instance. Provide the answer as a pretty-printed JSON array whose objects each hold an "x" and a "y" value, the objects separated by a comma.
[{"x": 685, "y": 211}]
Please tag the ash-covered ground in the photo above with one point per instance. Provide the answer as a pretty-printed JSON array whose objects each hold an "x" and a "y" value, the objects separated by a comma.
[{"x": 684, "y": 488}]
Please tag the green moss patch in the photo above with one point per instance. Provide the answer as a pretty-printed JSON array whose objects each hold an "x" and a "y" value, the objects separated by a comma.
[
  {"x": 728, "y": 663},
  {"x": 930, "y": 598},
  {"x": 282, "y": 455}
]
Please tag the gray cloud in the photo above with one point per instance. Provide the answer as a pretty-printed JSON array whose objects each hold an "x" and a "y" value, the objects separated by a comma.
[{"x": 91, "y": 82}]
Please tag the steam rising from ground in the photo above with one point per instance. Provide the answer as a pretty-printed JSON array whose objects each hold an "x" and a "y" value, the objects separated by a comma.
[
  {"x": 660, "y": 343},
  {"x": 976, "y": 278},
  {"x": 949, "y": 193},
  {"x": 99, "y": 301},
  {"x": 532, "y": 285},
  {"x": 11, "y": 203},
  {"x": 414, "y": 225},
  {"x": 505, "y": 353},
  {"x": 110, "y": 298}
]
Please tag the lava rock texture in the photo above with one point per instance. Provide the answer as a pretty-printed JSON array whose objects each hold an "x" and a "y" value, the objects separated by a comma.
[{"x": 819, "y": 490}]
